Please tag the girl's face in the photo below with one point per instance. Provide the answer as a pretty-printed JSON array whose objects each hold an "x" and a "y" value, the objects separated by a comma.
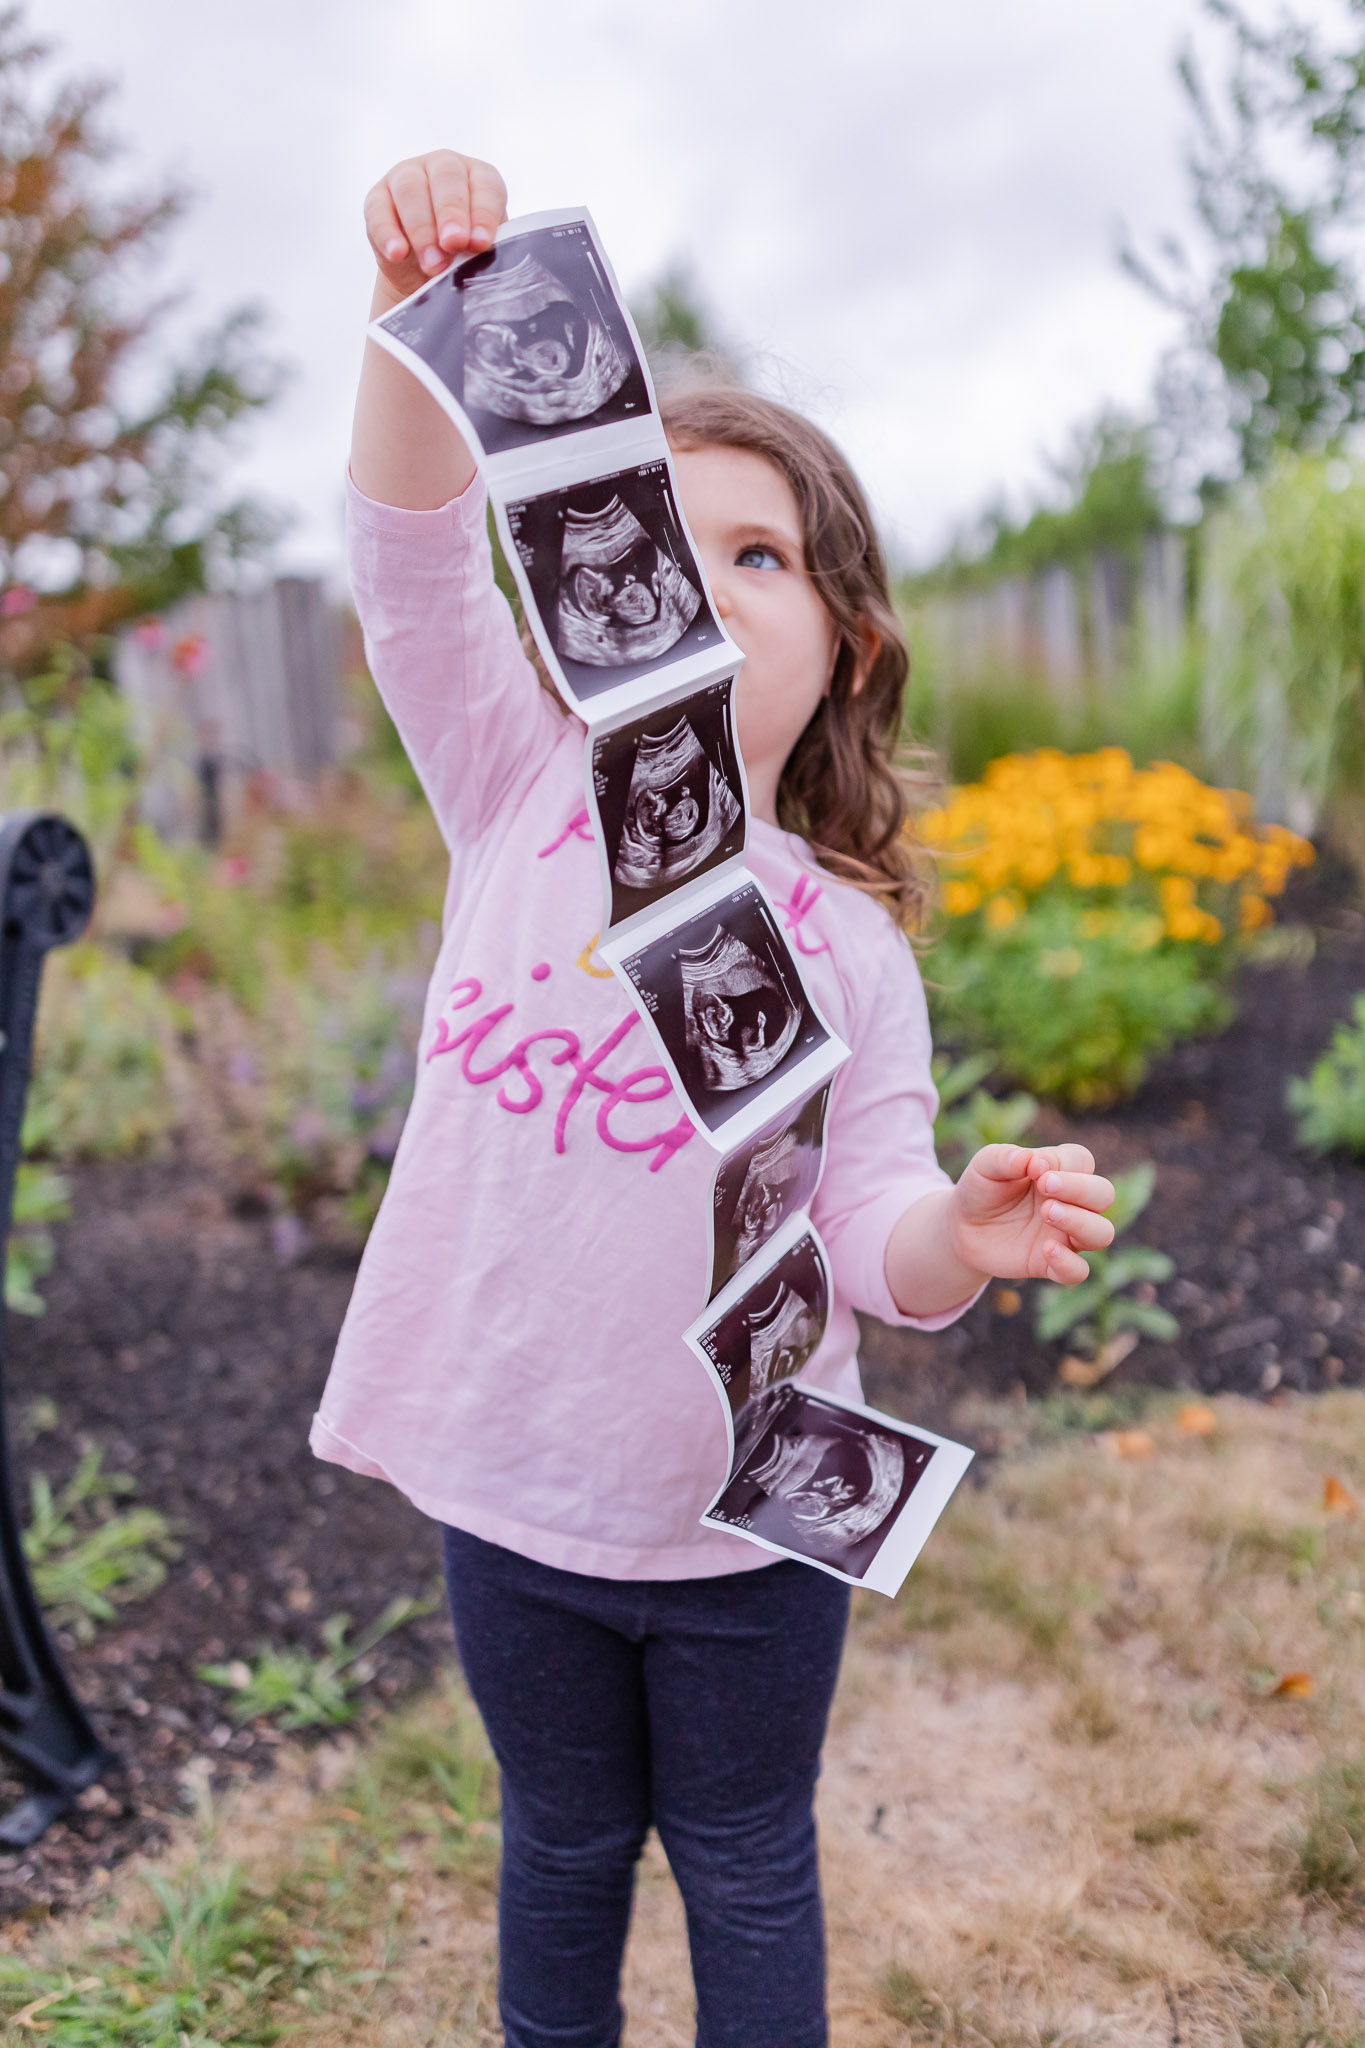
[{"x": 746, "y": 524}]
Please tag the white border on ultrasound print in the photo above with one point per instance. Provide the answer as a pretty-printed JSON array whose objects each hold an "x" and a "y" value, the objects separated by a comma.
[
  {"x": 603, "y": 728},
  {"x": 592, "y": 443},
  {"x": 786, "y": 1116},
  {"x": 911, "y": 1529},
  {"x": 685, "y": 672},
  {"x": 752, "y": 1275},
  {"x": 803, "y": 1079}
]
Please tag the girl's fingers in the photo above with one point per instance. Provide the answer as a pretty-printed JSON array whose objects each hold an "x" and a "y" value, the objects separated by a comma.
[
  {"x": 1002, "y": 1162},
  {"x": 411, "y": 195},
  {"x": 1065, "y": 1265},
  {"x": 383, "y": 226},
  {"x": 1087, "y": 1231},
  {"x": 1088, "y": 1190},
  {"x": 1063, "y": 1158},
  {"x": 448, "y": 180},
  {"x": 487, "y": 203}
]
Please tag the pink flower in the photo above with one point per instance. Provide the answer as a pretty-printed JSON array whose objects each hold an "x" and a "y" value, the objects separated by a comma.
[
  {"x": 151, "y": 633},
  {"x": 189, "y": 655},
  {"x": 234, "y": 870},
  {"x": 17, "y": 600}
]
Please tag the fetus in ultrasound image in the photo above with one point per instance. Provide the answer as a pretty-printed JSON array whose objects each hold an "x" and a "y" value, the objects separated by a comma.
[
  {"x": 529, "y": 339},
  {"x": 668, "y": 792},
  {"x": 621, "y": 596},
  {"x": 820, "y": 1480},
  {"x": 764, "y": 1183},
  {"x": 613, "y": 577},
  {"x": 728, "y": 1002},
  {"x": 772, "y": 1331}
]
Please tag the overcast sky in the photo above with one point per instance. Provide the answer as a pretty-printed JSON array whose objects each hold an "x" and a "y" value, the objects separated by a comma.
[{"x": 910, "y": 208}]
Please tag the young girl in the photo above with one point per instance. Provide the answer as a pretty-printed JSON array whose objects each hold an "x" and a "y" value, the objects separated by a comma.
[{"x": 512, "y": 1359}]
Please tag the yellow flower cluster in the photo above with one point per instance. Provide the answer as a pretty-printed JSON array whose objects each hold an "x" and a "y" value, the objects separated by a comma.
[{"x": 1096, "y": 822}]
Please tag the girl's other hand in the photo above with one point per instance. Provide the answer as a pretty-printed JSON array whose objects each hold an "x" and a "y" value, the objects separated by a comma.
[
  {"x": 429, "y": 209},
  {"x": 1028, "y": 1213}
]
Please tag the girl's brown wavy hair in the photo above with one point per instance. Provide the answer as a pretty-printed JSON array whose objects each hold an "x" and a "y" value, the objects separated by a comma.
[{"x": 843, "y": 789}]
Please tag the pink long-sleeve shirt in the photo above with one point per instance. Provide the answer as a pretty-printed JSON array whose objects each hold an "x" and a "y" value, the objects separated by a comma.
[{"x": 512, "y": 1357}]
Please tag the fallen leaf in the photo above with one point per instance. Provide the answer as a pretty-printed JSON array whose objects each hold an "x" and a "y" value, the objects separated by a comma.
[
  {"x": 1295, "y": 1685},
  {"x": 1128, "y": 1443},
  {"x": 1088, "y": 1372},
  {"x": 1338, "y": 1499},
  {"x": 1008, "y": 1301},
  {"x": 1197, "y": 1419}
]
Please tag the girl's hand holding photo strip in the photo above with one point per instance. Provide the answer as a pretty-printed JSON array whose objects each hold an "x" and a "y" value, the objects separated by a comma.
[{"x": 527, "y": 341}]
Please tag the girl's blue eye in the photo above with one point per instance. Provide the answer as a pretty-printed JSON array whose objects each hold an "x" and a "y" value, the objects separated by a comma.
[{"x": 758, "y": 558}]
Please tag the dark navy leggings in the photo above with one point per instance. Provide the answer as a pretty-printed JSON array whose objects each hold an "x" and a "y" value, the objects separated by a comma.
[{"x": 695, "y": 1705}]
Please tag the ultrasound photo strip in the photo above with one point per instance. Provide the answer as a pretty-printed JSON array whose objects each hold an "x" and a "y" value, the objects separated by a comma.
[
  {"x": 727, "y": 1007},
  {"x": 527, "y": 344}
]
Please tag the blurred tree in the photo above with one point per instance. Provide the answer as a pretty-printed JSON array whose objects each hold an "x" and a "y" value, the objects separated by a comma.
[
  {"x": 1274, "y": 347},
  {"x": 107, "y": 506},
  {"x": 676, "y": 323},
  {"x": 1109, "y": 504}
]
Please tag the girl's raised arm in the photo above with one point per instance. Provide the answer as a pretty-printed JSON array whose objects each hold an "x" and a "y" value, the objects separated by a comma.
[{"x": 427, "y": 209}]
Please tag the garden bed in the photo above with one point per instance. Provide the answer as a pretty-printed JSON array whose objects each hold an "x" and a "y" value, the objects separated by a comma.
[{"x": 180, "y": 1340}]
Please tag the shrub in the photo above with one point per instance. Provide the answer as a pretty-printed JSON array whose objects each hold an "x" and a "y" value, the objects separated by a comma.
[
  {"x": 106, "y": 1072},
  {"x": 1126, "y": 885},
  {"x": 1075, "y": 1011},
  {"x": 1284, "y": 696},
  {"x": 1329, "y": 1100},
  {"x": 40, "y": 1197}
]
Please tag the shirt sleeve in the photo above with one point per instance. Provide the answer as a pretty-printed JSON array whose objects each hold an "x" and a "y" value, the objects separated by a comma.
[
  {"x": 879, "y": 1148},
  {"x": 446, "y": 657}
]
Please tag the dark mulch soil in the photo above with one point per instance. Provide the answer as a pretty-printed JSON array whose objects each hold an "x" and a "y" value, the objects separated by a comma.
[{"x": 178, "y": 1339}]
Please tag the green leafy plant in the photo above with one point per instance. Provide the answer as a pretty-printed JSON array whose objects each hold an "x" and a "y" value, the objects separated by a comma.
[
  {"x": 106, "y": 1075},
  {"x": 206, "y": 1973},
  {"x": 1329, "y": 1100},
  {"x": 1072, "y": 1006},
  {"x": 40, "y": 1196},
  {"x": 1100, "y": 1317},
  {"x": 969, "y": 1116},
  {"x": 89, "y": 1557},
  {"x": 300, "y": 1691}
]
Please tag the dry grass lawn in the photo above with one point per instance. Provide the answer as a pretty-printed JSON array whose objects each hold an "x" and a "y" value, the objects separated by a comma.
[{"x": 1097, "y": 1777}]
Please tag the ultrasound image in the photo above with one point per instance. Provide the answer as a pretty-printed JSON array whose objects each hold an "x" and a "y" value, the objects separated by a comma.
[
  {"x": 612, "y": 577},
  {"x": 763, "y": 1184},
  {"x": 769, "y": 1334},
  {"x": 529, "y": 339},
  {"x": 622, "y": 598},
  {"x": 728, "y": 1002},
  {"x": 821, "y": 1480}
]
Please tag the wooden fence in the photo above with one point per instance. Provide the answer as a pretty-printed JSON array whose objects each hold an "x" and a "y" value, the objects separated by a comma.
[
  {"x": 227, "y": 688},
  {"x": 1071, "y": 628}
]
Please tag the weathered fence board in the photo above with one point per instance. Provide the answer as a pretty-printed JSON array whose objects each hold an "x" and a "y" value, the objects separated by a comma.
[{"x": 226, "y": 687}]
